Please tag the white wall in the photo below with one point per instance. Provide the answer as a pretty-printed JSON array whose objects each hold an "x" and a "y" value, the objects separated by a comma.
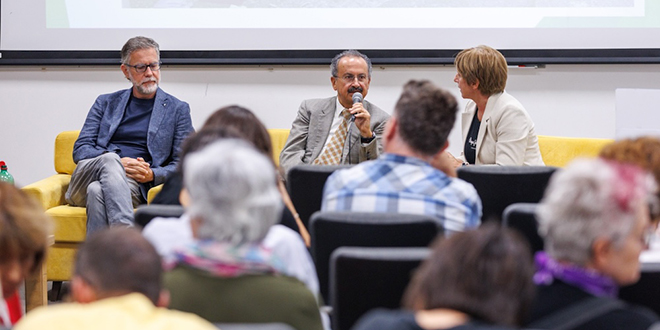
[{"x": 39, "y": 102}]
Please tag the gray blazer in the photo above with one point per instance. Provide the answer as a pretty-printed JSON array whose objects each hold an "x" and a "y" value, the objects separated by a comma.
[
  {"x": 311, "y": 127},
  {"x": 169, "y": 125}
]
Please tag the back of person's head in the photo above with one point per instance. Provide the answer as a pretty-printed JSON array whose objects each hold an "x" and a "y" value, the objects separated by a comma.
[
  {"x": 485, "y": 273},
  {"x": 425, "y": 116},
  {"x": 232, "y": 191},
  {"x": 246, "y": 123},
  {"x": 207, "y": 135},
  {"x": 591, "y": 199},
  {"x": 119, "y": 261},
  {"x": 24, "y": 229},
  {"x": 485, "y": 65}
]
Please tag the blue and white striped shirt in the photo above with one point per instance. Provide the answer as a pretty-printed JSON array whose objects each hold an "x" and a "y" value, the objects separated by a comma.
[{"x": 400, "y": 184}]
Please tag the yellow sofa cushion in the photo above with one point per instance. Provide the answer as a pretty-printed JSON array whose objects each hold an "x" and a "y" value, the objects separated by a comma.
[
  {"x": 559, "y": 151},
  {"x": 70, "y": 223},
  {"x": 64, "y": 152}
]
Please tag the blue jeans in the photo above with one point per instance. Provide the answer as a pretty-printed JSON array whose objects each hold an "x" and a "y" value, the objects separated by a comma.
[{"x": 100, "y": 184}]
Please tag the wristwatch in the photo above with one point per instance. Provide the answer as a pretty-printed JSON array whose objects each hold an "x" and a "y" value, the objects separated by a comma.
[{"x": 367, "y": 140}]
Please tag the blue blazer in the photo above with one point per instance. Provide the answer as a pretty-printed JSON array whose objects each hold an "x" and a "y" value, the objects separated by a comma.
[{"x": 169, "y": 125}]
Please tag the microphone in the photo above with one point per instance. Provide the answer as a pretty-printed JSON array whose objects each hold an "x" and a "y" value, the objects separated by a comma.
[{"x": 357, "y": 98}]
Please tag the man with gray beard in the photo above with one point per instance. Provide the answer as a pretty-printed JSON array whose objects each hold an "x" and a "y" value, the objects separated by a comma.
[{"x": 129, "y": 142}]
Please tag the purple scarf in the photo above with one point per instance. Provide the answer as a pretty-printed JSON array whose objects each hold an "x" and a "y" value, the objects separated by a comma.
[{"x": 591, "y": 281}]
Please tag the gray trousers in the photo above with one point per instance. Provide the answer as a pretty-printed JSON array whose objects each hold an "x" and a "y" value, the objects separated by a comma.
[{"x": 100, "y": 184}]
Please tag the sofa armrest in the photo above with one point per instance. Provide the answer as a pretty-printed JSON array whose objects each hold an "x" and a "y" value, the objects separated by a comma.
[
  {"x": 151, "y": 194},
  {"x": 49, "y": 191}
]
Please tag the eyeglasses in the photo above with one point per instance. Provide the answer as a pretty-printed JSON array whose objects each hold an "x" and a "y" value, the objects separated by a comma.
[
  {"x": 349, "y": 78},
  {"x": 141, "y": 68}
]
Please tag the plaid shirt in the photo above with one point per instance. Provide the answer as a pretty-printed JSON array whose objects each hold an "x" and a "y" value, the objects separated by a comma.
[{"x": 399, "y": 184}]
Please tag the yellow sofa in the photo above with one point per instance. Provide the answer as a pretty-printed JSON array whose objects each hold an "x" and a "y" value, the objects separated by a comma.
[{"x": 559, "y": 151}]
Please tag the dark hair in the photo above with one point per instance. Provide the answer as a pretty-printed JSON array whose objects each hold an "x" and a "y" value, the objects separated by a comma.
[
  {"x": 207, "y": 135},
  {"x": 485, "y": 273},
  {"x": 347, "y": 53},
  {"x": 120, "y": 261},
  {"x": 425, "y": 116},
  {"x": 24, "y": 227},
  {"x": 137, "y": 43},
  {"x": 246, "y": 123}
]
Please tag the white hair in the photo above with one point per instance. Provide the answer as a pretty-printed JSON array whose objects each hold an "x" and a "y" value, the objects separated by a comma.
[
  {"x": 587, "y": 200},
  {"x": 233, "y": 191}
]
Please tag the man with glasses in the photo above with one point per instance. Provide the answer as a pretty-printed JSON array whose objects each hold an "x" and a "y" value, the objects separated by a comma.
[
  {"x": 129, "y": 142},
  {"x": 337, "y": 130}
]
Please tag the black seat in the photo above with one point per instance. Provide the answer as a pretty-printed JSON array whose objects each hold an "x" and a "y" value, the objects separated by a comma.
[
  {"x": 305, "y": 186},
  {"x": 365, "y": 278},
  {"x": 331, "y": 230},
  {"x": 144, "y": 213},
  {"x": 501, "y": 186},
  {"x": 522, "y": 217}
]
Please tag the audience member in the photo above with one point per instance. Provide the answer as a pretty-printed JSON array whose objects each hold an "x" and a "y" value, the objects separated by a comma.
[
  {"x": 24, "y": 231},
  {"x": 403, "y": 179},
  {"x": 643, "y": 152},
  {"x": 479, "y": 279},
  {"x": 129, "y": 141},
  {"x": 319, "y": 134},
  {"x": 595, "y": 222},
  {"x": 168, "y": 234},
  {"x": 116, "y": 285},
  {"x": 249, "y": 127},
  {"x": 226, "y": 275},
  {"x": 507, "y": 135}
]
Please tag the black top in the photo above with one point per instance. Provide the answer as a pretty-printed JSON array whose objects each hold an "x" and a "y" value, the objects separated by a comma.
[
  {"x": 131, "y": 134},
  {"x": 383, "y": 319},
  {"x": 558, "y": 295},
  {"x": 470, "y": 148}
]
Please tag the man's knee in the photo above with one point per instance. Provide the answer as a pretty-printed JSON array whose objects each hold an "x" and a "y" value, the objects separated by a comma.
[{"x": 94, "y": 192}]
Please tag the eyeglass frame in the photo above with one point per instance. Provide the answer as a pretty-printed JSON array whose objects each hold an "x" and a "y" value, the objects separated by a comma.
[
  {"x": 347, "y": 78},
  {"x": 154, "y": 66}
]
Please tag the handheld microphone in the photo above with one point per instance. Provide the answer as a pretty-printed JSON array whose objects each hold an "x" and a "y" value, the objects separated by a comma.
[{"x": 357, "y": 98}]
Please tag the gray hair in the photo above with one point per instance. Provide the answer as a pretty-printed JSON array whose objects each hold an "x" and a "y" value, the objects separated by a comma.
[
  {"x": 233, "y": 192},
  {"x": 587, "y": 200},
  {"x": 347, "y": 53},
  {"x": 137, "y": 43}
]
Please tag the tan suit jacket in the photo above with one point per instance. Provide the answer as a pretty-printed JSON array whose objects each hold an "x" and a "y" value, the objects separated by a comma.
[
  {"x": 506, "y": 135},
  {"x": 311, "y": 127}
]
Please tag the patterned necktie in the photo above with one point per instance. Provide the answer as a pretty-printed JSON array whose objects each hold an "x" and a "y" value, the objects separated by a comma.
[{"x": 332, "y": 153}]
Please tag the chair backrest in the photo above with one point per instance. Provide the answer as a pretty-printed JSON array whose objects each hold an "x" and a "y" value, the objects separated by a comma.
[
  {"x": 331, "y": 230},
  {"x": 647, "y": 290},
  {"x": 64, "y": 152},
  {"x": 305, "y": 186},
  {"x": 522, "y": 217},
  {"x": 278, "y": 137},
  {"x": 365, "y": 278},
  {"x": 144, "y": 213},
  {"x": 559, "y": 151},
  {"x": 253, "y": 326},
  {"x": 501, "y": 186}
]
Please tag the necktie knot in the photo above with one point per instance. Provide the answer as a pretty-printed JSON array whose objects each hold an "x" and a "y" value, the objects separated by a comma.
[{"x": 346, "y": 114}]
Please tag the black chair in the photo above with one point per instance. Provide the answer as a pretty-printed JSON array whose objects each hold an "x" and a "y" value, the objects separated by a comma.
[
  {"x": 647, "y": 290},
  {"x": 253, "y": 326},
  {"x": 365, "y": 278},
  {"x": 144, "y": 213},
  {"x": 331, "y": 230},
  {"x": 305, "y": 186},
  {"x": 522, "y": 217},
  {"x": 501, "y": 186}
]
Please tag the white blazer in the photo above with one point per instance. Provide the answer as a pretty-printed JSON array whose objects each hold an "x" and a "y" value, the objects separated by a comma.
[{"x": 506, "y": 134}]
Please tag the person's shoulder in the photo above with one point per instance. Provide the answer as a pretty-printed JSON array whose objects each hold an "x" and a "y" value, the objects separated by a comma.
[
  {"x": 319, "y": 103},
  {"x": 374, "y": 109},
  {"x": 506, "y": 101},
  {"x": 384, "y": 319},
  {"x": 174, "y": 319},
  {"x": 114, "y": 95},
  {"x": 161, "y": 94}
]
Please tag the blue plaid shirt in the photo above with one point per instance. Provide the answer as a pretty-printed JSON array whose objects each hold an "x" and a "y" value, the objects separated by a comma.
[{"x": 400, "y": 184}]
